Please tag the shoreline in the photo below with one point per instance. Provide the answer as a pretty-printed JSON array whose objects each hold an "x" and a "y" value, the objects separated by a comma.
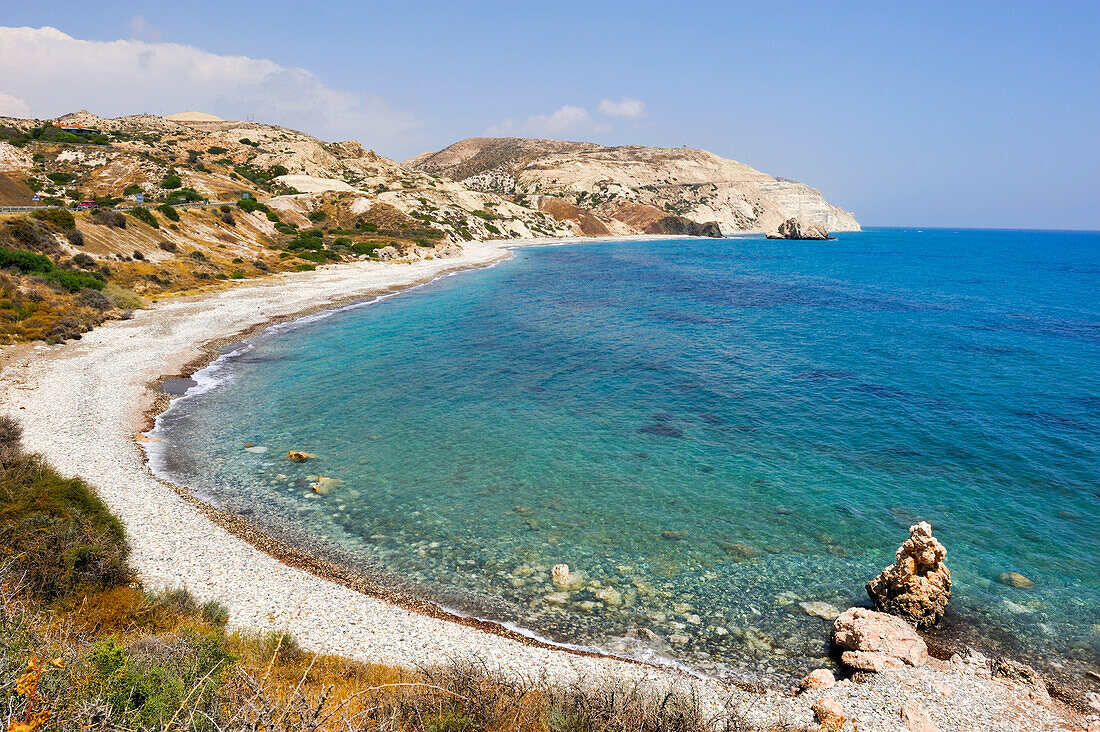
[{"x": 94, "y": 406}]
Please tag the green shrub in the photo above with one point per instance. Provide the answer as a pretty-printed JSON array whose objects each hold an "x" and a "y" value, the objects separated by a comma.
[
  {"x": 25, "y": 262},
  {"x": 168, "y": 246},
  {"x": 185, "y": 195},
  {"x": 75, "y": 237},
  {"x": 248, "y": 205},
  {"x": 131, "y": 190},
  {"x": 170, "y": 213},
  {"x": 63, "y": 538},
  {"x": 316, "y": 216},
  {"x": 305, "y": 267},
  {"x": 76, "y": 281},
  {"x": 486, "y": 215},
  {"x": 171, "y": 182},
  {"x": 58, "y": 217},
  {"x": 61, "y": 178},
  {"x": 313, "y": 256},
  {"x": 145, "y": 216},
  {"x": 366, "y": 247},
  {"x": 273, "y": 217},
  {"x": 215, "y": 150},
  {"x": 157, "y": 677},
  {"x": 237, "y": 275}
]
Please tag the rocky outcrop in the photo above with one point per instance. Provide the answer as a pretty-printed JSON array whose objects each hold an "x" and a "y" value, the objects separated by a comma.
[
  {"x": 635, "y": 186},
  {"x": 874, "y": 641},
  {"x": 300, "y": 457},
  {"x": 918, "y": 586},
  {"x": 795, "y": 229}
]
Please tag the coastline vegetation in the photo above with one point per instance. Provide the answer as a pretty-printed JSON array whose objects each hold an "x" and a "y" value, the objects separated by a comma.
[{"x": 84, "y": 646}]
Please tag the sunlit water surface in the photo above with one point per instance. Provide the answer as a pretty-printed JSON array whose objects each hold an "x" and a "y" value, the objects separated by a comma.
[{"x": 717, "y": 430}]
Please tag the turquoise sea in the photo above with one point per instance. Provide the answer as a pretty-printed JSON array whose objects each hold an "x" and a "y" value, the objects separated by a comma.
[{"x": 718, "y": 430}]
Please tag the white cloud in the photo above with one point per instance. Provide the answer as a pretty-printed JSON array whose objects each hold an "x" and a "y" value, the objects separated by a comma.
[
  {"x": 567, "y": 120},
  {"x": 625, "y": 107},
  {"x": 54, "y": 73},
  {"x": 13, "y": 107}
]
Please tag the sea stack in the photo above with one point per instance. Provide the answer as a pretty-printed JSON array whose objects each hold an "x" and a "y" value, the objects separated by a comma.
[
  {"x": 918, "y": 586},
  {"x": 795, "y": 229}
]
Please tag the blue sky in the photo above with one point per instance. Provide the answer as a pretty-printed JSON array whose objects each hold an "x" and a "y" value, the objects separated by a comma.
[{"x": 932, "y": 114}]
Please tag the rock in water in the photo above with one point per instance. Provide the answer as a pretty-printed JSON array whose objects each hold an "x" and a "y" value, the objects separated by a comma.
[
  {"x": 795, "y": 229},
  {"x": 560, "y": 574},
  {"x": 300, "y": 457},
  {"x": 918, "y": 586},
  {"x": 873, "y": 641},
  {"x": 1015, "y": 579}
]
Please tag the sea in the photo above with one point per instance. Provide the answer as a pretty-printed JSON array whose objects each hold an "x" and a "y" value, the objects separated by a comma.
[{"x": 724, "y": 440}]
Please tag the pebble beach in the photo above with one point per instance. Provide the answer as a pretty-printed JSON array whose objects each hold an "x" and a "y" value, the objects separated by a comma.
[{"x": 85, "y": 404}]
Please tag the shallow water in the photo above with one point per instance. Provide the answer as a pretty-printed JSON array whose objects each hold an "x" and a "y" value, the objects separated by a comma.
[{"x": 717, "y": 430}]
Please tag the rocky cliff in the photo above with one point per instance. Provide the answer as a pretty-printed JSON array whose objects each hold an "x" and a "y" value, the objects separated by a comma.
[{"x": 634, "y": 189}]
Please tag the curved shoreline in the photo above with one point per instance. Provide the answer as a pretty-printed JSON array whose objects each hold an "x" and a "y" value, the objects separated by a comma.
[{"x": 83, "y": 403}]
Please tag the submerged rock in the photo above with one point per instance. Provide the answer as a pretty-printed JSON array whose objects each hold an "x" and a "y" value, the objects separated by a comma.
[
  {"x": 1015, "y": 579},
  {"x": 918, "y": 586},
  {"x": 795, "y": 229},
  {"x": 560, "y": 575},
  {"x": 873, "y": 641},
  {"x": 737, "y": 551},
  {"x": 820, "y": 609}
]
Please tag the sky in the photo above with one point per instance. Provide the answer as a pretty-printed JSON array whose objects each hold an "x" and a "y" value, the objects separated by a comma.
[{"x": 976, "y": 114}]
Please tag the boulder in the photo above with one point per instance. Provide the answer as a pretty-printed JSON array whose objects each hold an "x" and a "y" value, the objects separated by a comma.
[
  {"x": 918, "y": 586},
  {"x": 874, "y": 641},
  {"x": 829, "y": 713},
  {"x": 795, "y": 229},
  {"x": 300, "y": 457},
  {"x": 819, "y": 678}
]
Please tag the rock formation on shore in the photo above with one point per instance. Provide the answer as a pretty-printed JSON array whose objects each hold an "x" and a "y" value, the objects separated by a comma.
[
  {"x": 795, "y": 229},
  {"x": 632, "y": 189},
  {"x": 873, "y": 641},
  {"x": 918, "y": 586}
]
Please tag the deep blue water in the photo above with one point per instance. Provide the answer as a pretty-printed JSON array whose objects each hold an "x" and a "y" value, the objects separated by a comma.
[{"x": 717, "y": 429}]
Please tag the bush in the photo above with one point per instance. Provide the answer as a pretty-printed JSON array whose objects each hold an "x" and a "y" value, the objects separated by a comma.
[
  {"x": 171, "y": 182},
  {"x": 122, "y": 298},
  {"x": 62, "y": 536},
  {"x": 185, "y": 195},
  {"x": 95, "y": 300},
  {"x": 316, "y": 216},
  {"x": 196, "y": 254},
  {"x": 237, "y": 275},
  {"x": 131, "y": 190},
  {"x": 227, "y": 218},
  {"x": 113, "y": 219},
  {"x": 61, "y": 178},
  {"x": 11, "y": 436},
  {"x": 58, "y": 217},
  {"x": 76, "y": 281},
  {"x": 305, "y": 267},
  {"x": 215, "y": 150},
  {"x": 83, "y": 260},
  {"x": 169, "y": 213},
  {"x": 273, "y": 217},
  {"x": 138, "y": 256},
  {"x": 25, "y": 262},
  {"x": 75, "y": 237},
  {"x": 145, "y": 216},
  {"x": 168, "y": 246},
  {"x": 248, "y": 205}
]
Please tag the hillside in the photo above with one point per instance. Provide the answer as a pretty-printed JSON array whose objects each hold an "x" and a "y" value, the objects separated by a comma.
[
  {"x": 228, "y": 200},
  {"x": 632, "y": 189}
]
